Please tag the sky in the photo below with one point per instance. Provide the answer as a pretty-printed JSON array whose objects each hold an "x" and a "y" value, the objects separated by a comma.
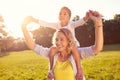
[{"x": 14, "y": 11}]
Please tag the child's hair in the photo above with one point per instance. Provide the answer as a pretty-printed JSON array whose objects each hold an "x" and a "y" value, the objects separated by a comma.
[
  {"x": 68, "y": 10},
  {"x": 69, "y": 37}
]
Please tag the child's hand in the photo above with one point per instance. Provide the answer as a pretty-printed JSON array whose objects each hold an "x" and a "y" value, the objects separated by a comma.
[
  {"x": 50, "y": 75},
  {"x": 86, "y": 18},
  {"x": 79, "y": 75}
]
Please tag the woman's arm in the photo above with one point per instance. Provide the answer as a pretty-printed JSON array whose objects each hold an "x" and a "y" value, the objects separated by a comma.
[
  {"x": 29, "y": 41},
  {"x": 39, "y": 49},
  {"x": 98, "y": 45}
]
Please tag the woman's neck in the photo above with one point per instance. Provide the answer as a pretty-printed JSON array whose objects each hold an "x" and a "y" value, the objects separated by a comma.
[{"x": 63, "y": 56}]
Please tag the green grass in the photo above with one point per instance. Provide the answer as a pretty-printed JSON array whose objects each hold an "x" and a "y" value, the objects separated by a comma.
[
  {"x": 26, "y": 65},
  {"x": 105, "y": 66}
]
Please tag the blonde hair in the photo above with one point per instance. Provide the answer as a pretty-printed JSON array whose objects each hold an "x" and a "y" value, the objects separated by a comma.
[
  {"x": 69, "y": 37},
  {"x": 67, "y": 9}
]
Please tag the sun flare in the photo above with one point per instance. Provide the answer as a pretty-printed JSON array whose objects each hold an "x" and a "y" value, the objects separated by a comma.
[{"x": 14, "y": 13}]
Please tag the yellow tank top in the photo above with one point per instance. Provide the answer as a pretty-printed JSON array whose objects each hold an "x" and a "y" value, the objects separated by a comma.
[{"x": 63, "y": 70}]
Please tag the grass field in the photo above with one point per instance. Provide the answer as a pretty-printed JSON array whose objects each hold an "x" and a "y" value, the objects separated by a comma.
[{"x": 26, "y": 65}]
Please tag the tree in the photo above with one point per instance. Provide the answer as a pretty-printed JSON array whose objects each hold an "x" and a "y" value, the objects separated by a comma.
[
  {"x": 111, "y": 31},
  {"x": 76, "y": 18},
  {"x": 5, "y": 40},
  {"x": 43, "y": 36},
  {"x": 117, "y": 17}
]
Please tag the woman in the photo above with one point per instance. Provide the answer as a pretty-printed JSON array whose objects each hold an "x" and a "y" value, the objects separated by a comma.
[{"x": 62, "y": 69}]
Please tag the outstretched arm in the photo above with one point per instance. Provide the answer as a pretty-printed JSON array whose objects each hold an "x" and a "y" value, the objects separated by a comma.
[
  {"x": 86, "y": 17},
  {"x": 43, "y": 23},
  {"x": 80, "y": 22},
  {"x": 39, "y": 49},
  {"x": 98, "y": 45},
  {"x": 29, "y": 41}
]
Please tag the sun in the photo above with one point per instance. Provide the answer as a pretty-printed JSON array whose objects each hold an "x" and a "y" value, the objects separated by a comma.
[
  {"x": 17, "y": 31},
  {"x": 17, "y": 34}
]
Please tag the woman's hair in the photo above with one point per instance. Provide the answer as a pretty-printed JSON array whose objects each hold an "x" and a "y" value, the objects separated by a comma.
[
  {"x": 69, "y": 37},
  {"x": 67, "y": 9}
]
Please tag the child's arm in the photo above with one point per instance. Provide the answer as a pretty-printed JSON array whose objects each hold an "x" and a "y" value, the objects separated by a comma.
[
  {"x": 86, "y": 18},
  {"x": 48, "y": 24},
  {"x": 80, "y": 22},
  {"x": 75, "y": 53},
  {"x": 53, "y": 51},
  {"x": 43, "y": 23}
]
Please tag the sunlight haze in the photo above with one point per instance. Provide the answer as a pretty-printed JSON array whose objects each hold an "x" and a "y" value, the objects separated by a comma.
[{"x": 14, "y": 11}]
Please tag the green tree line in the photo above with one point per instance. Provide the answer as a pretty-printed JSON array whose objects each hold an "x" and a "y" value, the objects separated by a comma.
[{"x": 85, "y": 35}]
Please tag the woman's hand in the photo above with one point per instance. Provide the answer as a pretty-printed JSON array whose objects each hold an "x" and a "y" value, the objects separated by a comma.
[
  {"x": 29, "y": 19},
  {"x": 96, "y": 17}
]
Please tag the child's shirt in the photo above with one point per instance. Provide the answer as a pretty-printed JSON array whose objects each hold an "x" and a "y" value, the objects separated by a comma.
[{"x": 71, "y": 26}]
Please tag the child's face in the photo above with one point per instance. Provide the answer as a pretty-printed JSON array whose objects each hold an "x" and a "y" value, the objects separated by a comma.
[
  {"x": 64, "y": 16},
  {"x": 61, "y": 41}
]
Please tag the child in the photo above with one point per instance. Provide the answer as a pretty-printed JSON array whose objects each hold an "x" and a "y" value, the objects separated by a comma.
[
  {"x": 64, "y": 42},
  {"x": 64, "y": 21}
]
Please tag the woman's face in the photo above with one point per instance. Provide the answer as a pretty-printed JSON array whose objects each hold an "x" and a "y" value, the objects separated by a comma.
[
  {"x": 64, "y": 15},
  {"x": 61, "y": 41}
]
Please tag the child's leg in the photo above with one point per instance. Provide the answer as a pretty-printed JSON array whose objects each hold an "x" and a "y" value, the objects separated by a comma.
[
  {"x": 53, "y": 51},
  {"x": 76, "y": 56}
]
